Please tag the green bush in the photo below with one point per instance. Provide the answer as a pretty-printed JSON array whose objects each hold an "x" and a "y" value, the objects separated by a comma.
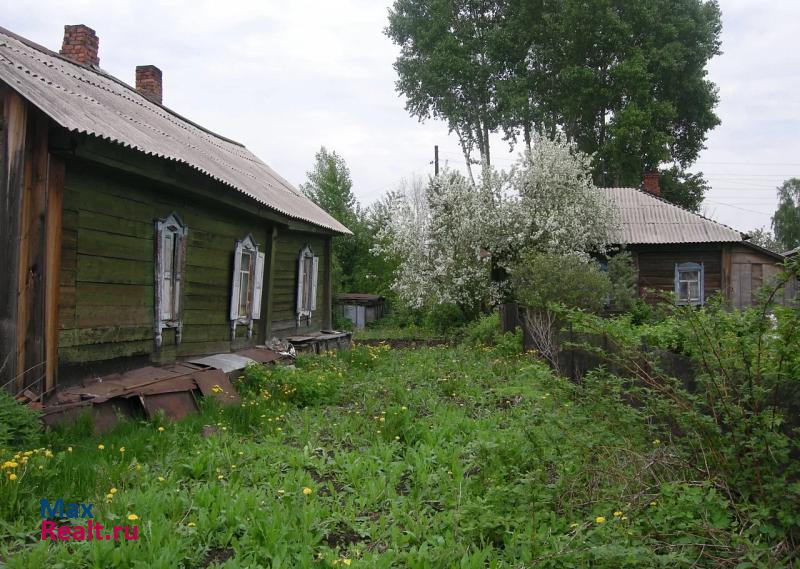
[
  {"x": 444, "y": 318},
  {"x": 623, "y": 281},
  {"x": 483, "y": 331},
  {"x": 20, "y": 426},
  {"x": 541, "y": 280}
]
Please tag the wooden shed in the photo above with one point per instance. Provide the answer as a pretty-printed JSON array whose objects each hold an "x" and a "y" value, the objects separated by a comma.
[
  {"x": 360, "y": 308},
  {"x": 680, "y": 251},
  {"x": 130, "y": 235}
]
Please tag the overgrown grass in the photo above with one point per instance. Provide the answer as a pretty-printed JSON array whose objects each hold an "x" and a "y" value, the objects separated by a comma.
[{"x": 468, "y": 457}]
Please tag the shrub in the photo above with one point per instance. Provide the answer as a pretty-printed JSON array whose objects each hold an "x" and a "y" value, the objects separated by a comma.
[
  {"x": 623, "y": 281},
  {"x": 20, "y": 426},
  {"x": 541, "y": 280},
  {"x": 444, "y": 318}
]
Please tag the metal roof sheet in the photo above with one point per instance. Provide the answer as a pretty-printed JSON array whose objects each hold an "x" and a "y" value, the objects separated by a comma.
[
  {"x": 88, "y": 100},
  {"x": 647, "y": 219}
]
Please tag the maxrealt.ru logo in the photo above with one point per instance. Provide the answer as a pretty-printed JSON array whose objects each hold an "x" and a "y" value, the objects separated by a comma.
[{"x": 79, "y": 511}]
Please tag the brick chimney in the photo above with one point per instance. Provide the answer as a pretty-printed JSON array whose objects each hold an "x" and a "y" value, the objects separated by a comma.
[
  {"x": 650, "y": 183},
  {"x": 148, "y": 82},
  {"x": 81, "y": 45}
]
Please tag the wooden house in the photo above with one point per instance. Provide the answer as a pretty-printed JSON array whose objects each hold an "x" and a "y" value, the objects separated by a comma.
[
  {"x": 360, "y": 308},
  {"x": 680, "y": 251},
  {"x": 130, "y": 235}
]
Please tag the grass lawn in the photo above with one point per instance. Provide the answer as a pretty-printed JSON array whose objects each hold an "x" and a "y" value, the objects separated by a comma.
[{"x": 438, "y": 457}]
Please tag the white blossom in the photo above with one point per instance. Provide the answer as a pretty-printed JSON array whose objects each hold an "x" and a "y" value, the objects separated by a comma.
[{"x": 448, "y": 235}]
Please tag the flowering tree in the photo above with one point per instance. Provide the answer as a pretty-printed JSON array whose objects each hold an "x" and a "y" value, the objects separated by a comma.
[{"x": 456, "y": 236}]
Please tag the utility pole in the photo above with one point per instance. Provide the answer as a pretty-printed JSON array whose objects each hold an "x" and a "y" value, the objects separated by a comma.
[{"x": 436, "y": 160}]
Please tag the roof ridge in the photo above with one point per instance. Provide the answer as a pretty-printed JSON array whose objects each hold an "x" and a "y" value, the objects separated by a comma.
[
  {"x": 745, "y": 236},
  {"x": 103, "y": 73}
]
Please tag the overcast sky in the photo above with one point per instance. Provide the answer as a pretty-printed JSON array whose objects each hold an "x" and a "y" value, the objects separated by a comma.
[{"x": 285, "y": 77}]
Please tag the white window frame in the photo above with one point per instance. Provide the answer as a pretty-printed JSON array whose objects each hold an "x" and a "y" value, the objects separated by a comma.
[
  {"x": 680, "y": 270},
  {"x": 306, "y": 284},
  {"x": 253, "y": 278},
  {"x": 169, "y": 270}
]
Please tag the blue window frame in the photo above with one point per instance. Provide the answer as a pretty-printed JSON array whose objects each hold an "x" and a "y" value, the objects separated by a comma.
[{"x": 689, "y": 279}]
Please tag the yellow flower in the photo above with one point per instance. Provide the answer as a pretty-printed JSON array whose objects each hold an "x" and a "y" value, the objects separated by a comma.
[
  {"x": 113, "y": 491},
  {"x": 346, "y": 561},
  {"x": 122, "y": 449},
  {"x": 624, "y": 518},
  {"x": 101, "y": 446},
  {"x": 191, "y": 524},
  {"x": 12, "y": 476},
  {"x": 109, "y": 497},
  {"x": 404, "y": 408},
  {"x": 600, "y": 520},
  {"x": 132, "y": 517},
  {"x": 9, "y": 464},
  {"x": 307, "y": 490},
  {"x": 48, "y": 453},
  {"x": 69, "y": 449},
  {"x": 573, "y": 525},
  {"x": 653, "y": 503},
  {"x": 220, "y": 477},
  {"x": 617, "y": 514},
  {"x": 657, "y": 442},
  {"x": 161, "y": 429},
  {"x": 161, "y": 479}
]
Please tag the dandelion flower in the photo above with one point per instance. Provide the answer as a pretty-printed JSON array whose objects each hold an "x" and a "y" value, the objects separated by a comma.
[
  {"x": 573, "y": 525},
  {"x": 191, "y": 524},
  {"x": 346, "y": 562},
  {"x": 161, "y": 479},
  {"x": 12, "y": 476},
  {"x": 122, "y": 450},
  {"x": 101, "y": 446},
  {"x": 617, "y": 514},
  {"x": 69, "y": 449},
  {"x": 161, "y": 429},
  {"x": 109, "y": 497},
  {"x": 624, "y": 518},
  {"x": 600, "y": 520},
  {"x": 657, "y": 442},
  {"x": 132, "y": 517},
  {"x": 307, "y": 490},
  {"x": 113, "y": 491},
  {"x": 653, "y": 503},
  {"x": 220, "y": 477}
]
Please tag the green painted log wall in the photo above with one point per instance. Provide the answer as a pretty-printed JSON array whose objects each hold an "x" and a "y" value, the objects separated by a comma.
[{"x": 107, "y": 273}]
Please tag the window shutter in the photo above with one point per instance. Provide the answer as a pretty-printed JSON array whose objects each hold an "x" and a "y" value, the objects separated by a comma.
[
  {"x": 180, "y": 264},
  {"x": 237, "y": 265},
  {"x": 258, "y": 285},
  {"x": 300, "y": 279},
  {"x": 159, "y": 277},
  {"x": 314, "y": 271}
]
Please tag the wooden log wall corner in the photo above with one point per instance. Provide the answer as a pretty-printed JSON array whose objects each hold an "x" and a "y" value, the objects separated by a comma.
[
  {"x": 12, "y": 161},
  {"x": 31, "y": 197}
]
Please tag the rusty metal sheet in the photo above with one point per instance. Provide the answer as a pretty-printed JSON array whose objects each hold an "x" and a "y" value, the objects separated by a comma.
[
  {"x": 261, "y": 355},
  {"x": 175, "y": 406},
  {"x": 210, "y": 382},
  {"x": 107, "y": 414},
  {"x": 184, "y": 383},
  {"x": 88, "y": 100}
]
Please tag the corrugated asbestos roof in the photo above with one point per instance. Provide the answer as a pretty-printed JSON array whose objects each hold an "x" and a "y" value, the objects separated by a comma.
[
  {"x": 647, "y": 219},
  {"x": 87, "y": 100}
]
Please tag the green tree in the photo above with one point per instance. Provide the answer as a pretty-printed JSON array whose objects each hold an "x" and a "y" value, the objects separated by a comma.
[
  {"x": 786, "y": 221},
  {"x": 330, "y": 186},
  {"x": 765, "y": 239},
  {"x": 446, "y": 68},
  {"x": 683, "y": 188},
  {"x": 625, "y": 80}
]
